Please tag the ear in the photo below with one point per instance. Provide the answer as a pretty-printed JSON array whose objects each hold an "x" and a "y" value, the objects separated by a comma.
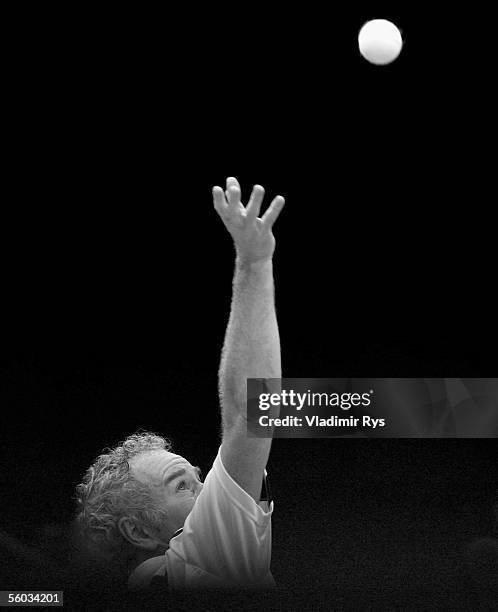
[{"x": 138, "y": 535}]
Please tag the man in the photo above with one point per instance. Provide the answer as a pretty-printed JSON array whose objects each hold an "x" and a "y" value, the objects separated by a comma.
[{"x": 143, "y": 508}]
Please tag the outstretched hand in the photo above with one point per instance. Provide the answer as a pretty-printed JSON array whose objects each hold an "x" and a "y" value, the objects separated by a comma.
[{"x": 252, "y": 236}]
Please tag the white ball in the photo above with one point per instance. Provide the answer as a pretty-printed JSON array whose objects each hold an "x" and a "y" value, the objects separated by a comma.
[{"x": 380, "y": 41}]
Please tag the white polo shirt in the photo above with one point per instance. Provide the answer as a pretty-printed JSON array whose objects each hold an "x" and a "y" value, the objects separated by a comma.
[{"x": 225, "y": 542}]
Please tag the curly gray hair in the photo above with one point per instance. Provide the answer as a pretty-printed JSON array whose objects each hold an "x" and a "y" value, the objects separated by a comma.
[{"x": 110, "y": 491}]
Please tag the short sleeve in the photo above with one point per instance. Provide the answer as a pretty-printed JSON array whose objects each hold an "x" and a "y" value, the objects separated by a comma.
[{"x": 227, "y": 534}]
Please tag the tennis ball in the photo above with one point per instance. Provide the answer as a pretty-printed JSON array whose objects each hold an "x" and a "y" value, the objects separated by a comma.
[{"x": 380, "y": 41}]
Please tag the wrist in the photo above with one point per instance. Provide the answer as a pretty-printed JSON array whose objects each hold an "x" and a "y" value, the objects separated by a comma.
[{"x": 252, "y": 264}]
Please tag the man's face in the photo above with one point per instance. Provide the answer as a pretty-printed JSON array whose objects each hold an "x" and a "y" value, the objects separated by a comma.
[{"x": 175, "y": 484}]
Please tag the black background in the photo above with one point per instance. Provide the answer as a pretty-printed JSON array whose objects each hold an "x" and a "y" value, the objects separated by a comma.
[{"x": 117, "y": 270}]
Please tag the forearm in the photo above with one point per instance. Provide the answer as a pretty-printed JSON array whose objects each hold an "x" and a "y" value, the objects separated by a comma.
[{"x": 252, "y": 345}]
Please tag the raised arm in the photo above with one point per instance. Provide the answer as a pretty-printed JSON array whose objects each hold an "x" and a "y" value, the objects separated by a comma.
[{"x": 252, "y": 345}]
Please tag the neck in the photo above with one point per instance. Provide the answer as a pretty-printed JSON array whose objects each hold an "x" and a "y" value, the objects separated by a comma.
[{"x": 143, "y": 555}]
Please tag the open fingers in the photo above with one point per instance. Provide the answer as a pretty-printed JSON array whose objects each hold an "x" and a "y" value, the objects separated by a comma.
[
  {"x": 232, "y": 182},
  {"x": 220, "y": 204},
  {"x": 254, "y": 206},
  {"x": 226, "y": 202},
  {"x": 233, "y": 197},
  {"x": 268, "y": 219},
  {"x": 233, "y": 194}
]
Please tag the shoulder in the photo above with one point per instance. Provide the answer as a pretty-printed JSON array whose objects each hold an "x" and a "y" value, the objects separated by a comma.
[{"x": 149, "y": 570}]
